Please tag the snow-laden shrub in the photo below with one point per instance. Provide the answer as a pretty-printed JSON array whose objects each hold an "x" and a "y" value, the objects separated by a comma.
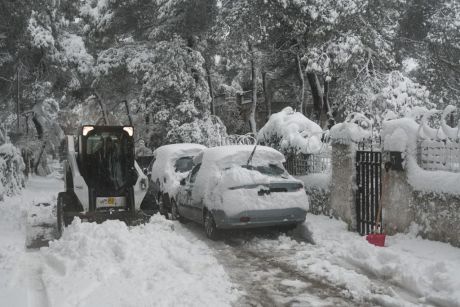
[
  {"x": 289, "y": 131},
  {"x": 208, "y": 131},
  {"x": 386, "y": 96},
  {"x": 11, "y": 170}
]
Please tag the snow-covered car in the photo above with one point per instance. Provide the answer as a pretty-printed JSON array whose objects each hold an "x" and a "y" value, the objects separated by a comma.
[
  {"x": 240, "y": 186},
  {"x": 171, "y": 163}
]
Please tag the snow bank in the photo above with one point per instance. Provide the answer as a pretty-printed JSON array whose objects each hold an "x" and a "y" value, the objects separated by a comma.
[
  {"x": 400, "y": 135},
  {"x": 432, "y": 181},
  {"x": 11, "y": 170},
  {"x": 163, "y": 169},
  {"x": 408, "y": 271},
  {"x": 113, "y": 265},
  {"x": 288, "y": 130}
]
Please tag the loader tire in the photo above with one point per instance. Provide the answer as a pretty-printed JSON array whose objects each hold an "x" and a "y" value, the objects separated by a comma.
[
  {"x": 60, "y": 215},
  {"x": 67, "y": 202}
]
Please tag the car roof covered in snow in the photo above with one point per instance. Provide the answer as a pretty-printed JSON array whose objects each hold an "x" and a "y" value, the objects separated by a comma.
[
  {"x": 177, "y": 150},
  {"x": 238, "y": 154}
]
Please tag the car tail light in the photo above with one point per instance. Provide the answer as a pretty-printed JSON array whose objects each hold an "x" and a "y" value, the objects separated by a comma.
[{"x": 245, "y": 219}]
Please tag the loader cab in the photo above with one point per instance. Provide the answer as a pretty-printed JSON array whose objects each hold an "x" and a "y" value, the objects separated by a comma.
[{"x": 106, "y": 159}]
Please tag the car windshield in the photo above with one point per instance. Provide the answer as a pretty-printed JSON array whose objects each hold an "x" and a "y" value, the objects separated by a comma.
[
  {"x": 270, "y": 169},
  {"x": 184, "y": 164}
]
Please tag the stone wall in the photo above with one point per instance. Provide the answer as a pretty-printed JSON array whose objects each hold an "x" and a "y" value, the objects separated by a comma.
[
  {"x": 438, "y": 216},
  {"x": 320, "y": 200}
]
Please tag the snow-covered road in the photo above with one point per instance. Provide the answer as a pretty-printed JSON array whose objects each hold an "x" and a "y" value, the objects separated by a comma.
[{"x": 164, "y": 263}]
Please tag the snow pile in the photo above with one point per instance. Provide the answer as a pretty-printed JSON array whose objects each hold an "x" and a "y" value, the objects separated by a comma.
[
  {"x": 432, "y": 181},
  {"x": 222, "y": 169},
  {"x": 113, "y": 265},
  {"x": 400, "y": 135},
  {"x": 289, "y": 131},
  {"x": 355, "y": 128},
  {"x": 11, "y": 170},
  {"x": 408, "y": 271},
  {"x": 163, "y": 170}
]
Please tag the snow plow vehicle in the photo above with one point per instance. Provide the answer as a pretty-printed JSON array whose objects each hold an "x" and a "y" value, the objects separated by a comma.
[{"x": 102, "y": 179}]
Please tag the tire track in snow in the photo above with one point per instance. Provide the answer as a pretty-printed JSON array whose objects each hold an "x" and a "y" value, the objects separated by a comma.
[
  {"x": 265, "y": 279},
  {"x": 37, "y": 295}
]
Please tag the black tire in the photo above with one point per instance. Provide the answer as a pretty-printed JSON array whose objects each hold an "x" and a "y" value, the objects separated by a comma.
[
  {"x": 68, "y": 182},
  {"x": 161, "y": 206},
  {"x": 210, "y": 226},
  {"x": 68, "y": 203},
  {"x": 60, "y": 215},
  {"x": 149, "y": 204}
]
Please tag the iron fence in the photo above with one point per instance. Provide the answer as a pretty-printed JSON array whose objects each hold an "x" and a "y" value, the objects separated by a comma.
[
  {"x": 234, "y": 139},
  {"x": 304, "y": 164}
]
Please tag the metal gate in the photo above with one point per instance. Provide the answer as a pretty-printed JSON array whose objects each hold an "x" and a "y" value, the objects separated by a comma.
[{"x": 369, "y": 187}]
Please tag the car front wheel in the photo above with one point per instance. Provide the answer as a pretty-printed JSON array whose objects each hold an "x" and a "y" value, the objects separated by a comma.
[{"x": 210, "y": 226}]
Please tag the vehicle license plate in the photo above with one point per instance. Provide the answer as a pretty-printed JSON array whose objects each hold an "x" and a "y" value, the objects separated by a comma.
[{"x": 110, "y": 202}]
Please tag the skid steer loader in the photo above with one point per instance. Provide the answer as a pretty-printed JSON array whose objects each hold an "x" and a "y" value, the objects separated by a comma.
[{"x": 102, "y": 179}]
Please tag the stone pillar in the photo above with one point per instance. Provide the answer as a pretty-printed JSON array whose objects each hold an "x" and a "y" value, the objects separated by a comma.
[
  {"x": 396, "y": 201},
  {"x": 343, "y": 183}
]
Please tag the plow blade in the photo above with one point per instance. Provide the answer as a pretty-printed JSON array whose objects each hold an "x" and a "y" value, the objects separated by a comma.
[{"x": 41, "y": 226}]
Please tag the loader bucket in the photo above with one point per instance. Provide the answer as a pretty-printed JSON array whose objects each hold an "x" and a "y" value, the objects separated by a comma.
[{"x": 41, "y": 225}]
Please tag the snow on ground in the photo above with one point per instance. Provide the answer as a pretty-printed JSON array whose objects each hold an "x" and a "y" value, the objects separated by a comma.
[
  {"x": 12, "y": 237},
  {"x": 114, "y": 265},
  {"x": 163, "y": 263},
  {"x": 105, "y": 265},
  {"x": 408, "y": 271}
]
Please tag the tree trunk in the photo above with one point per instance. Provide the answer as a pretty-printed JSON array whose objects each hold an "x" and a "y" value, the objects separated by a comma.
[
  {"x": 267, "y": 94},
  {"x": 211, "y": 89},
  {"x": 127, "y": 112},
  {"x": 18, "y": 101},
  {"x": 38, "y": 126},
  {"x": 104, "y": 112},
  {"x": 326, "y": 106},
  {"x": 302, "y": 84},
  {"x": 252, "y": 115},
  {"x": 317, "y": 94},
  {"x": 37, "y": 163}
]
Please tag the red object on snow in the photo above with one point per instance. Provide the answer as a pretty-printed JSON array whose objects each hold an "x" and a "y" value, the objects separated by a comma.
[{"x": 378, "y": 239}]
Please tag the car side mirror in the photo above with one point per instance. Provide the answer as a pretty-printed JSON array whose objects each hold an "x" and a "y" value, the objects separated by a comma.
[{"x": 182, "y": 182}]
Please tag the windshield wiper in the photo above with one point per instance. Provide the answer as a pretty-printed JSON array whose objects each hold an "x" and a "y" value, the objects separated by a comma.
[{"x": 251, "y": 155}]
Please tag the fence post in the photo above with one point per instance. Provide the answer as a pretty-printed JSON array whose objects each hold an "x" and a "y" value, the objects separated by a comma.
[{"x": 343, "y": 183}]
